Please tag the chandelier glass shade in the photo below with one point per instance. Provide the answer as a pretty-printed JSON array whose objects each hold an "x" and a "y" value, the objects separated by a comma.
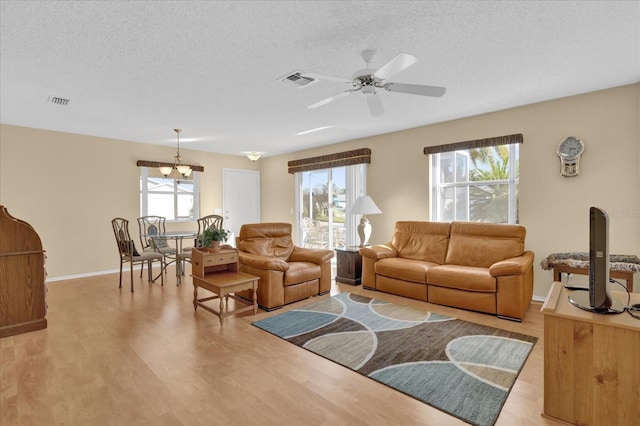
[{"x": 183, "y": 169}]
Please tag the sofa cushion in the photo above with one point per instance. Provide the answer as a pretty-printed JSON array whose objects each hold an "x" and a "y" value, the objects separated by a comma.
[
  {"x": 421, "y": 240},
  {"x": 468, "y": 278},
  {"x": 300, "y": 272},
  {"x": 404, "y": 269},
  {"x": 483, "y": 244}
]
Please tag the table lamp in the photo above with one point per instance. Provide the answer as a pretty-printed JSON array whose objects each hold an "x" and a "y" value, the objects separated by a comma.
[{"x": 364, "y": 205}]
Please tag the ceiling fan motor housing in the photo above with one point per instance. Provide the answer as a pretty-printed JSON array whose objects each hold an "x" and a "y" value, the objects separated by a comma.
[{"x": 368, "y": 83}]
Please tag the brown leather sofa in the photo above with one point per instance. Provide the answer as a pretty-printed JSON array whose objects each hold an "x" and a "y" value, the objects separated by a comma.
[
  {"x": 287, "y": 273},
  {"x": 476, "y": 266}
]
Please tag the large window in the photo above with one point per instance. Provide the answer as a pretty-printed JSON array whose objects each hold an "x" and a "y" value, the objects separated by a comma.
[
  {"x": 324, "y": 196},
  {"x": 173, "y": 199},
  {"x": 477, "y": 184},
  {"x": 327, "y": 186}
]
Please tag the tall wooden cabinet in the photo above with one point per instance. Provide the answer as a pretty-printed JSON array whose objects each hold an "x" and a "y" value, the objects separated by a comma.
[{"x": 22, "y": 277}]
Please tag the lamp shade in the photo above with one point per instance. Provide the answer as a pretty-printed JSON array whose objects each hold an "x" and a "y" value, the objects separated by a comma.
[{"x": 364, "y": 205}]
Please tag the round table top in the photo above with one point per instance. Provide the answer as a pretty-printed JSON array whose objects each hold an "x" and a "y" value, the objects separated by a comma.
[{"x": 175, "y": 235}]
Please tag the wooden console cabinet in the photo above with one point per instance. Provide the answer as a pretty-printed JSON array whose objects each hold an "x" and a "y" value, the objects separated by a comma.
[
  {"x": 591, "y": 363},
  {"x": 22, "y": 277}
]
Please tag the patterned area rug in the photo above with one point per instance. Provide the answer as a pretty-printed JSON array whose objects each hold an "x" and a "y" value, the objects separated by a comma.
[{"x": 461, "y": 368}]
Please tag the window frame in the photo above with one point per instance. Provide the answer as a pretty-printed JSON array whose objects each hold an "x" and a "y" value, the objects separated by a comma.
[
  {"x": 144, "y": 195},
  {"x": 355, "y": 186},
  {"x": 437, "y": 189}
]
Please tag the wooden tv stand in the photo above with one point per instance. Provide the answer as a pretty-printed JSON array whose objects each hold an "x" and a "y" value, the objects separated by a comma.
[{"x": 591, "y": 364}]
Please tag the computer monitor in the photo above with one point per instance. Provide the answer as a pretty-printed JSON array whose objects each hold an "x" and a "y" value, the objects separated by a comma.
[{"x": 598, "y": 299}]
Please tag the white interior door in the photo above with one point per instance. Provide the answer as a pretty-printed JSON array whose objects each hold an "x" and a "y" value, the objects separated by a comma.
[{"x": 240, "y": 199}]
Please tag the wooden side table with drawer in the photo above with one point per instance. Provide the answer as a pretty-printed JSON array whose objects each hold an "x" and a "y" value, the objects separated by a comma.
[
  {"x": 349, "y": 265},
  {"x": 218, "y": 273}
]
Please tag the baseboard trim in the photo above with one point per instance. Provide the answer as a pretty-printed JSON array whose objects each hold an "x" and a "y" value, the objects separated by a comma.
[
  {"x": 89, "y": 274},
  {"x": 538, "y": 298}
]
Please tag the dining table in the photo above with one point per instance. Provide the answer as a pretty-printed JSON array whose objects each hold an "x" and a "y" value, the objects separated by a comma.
[{"x": 177, "y": 237}]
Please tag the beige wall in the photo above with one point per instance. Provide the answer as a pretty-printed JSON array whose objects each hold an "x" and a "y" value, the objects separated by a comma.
[
  {"x": 553, "y": 208},
  {"x": 69, "y": 187},
  {"x": 71, "y": 210}
]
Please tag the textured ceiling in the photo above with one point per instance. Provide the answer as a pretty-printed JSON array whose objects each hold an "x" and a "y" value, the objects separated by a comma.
[{"x": 134, "y": 70}]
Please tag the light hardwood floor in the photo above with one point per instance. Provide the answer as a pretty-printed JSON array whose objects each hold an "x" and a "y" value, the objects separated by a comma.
[{"x": 112, "y": 357}]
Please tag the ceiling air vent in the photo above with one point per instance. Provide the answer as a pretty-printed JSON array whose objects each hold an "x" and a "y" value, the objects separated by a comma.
[
  {"x": 296, "y": 79},
  {"x": 59, "y": 101}
]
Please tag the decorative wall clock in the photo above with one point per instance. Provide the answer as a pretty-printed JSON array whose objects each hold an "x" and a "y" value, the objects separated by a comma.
[{"x": 569, "y": 151}]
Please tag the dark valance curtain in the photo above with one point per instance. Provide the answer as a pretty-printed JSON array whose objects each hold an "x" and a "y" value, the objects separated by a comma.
[
  {"x": 145, "y": 163},
  {"x": 347, "y": 158},
  {"x": 477, "y": 143}
]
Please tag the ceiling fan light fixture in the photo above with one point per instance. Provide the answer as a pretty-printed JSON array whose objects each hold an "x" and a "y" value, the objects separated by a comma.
[{"x": 368, "y": 90}]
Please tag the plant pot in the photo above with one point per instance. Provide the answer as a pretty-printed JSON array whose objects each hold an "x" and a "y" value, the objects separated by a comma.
[{"x": 214, "y": 247}]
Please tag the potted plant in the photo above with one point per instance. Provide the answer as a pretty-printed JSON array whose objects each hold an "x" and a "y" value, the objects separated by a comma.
[{"x": 211, "y": 238}]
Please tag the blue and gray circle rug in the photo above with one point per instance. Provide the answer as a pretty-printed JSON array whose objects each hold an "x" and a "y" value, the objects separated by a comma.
[{"x": 459, "y": 367}]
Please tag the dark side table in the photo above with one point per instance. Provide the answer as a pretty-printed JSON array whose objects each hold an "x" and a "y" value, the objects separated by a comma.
[{"x": 349, "y": 265}]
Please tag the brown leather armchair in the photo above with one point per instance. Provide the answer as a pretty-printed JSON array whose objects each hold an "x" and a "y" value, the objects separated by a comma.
[{"x": 288, "y": 273}]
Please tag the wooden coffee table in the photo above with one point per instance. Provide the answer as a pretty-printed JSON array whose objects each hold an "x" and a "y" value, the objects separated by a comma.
[{"x": 225, "y": 284}]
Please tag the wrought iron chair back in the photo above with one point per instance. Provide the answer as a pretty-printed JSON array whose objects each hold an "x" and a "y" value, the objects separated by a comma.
[
  {"x": 150, "y": 226},
  {"x": 128, "y": 252}
]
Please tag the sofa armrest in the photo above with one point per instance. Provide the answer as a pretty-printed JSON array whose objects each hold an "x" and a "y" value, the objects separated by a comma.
[
  {"x": 317, "y": 256},
  {"x": 380, "y": 251},
  {"x": 513, "y": 266},
  {"x": 262, "y": 262}
]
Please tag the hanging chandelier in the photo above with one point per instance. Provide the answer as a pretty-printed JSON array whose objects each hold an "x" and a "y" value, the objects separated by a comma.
[{"x": 183, "y": 169}]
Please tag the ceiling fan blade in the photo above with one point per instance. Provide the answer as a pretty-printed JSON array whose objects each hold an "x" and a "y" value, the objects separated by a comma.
[
  {"x": 328, "y": 78},
  {"x": 330, "y": 99},
  {"x": 415, "y": 89},
  {"x": 394, "y": 66},
  {"x": 375, "y": 105}
]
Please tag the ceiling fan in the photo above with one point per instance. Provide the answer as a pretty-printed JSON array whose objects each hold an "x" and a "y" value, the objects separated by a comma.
[{"x": 367, "y": 80}]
